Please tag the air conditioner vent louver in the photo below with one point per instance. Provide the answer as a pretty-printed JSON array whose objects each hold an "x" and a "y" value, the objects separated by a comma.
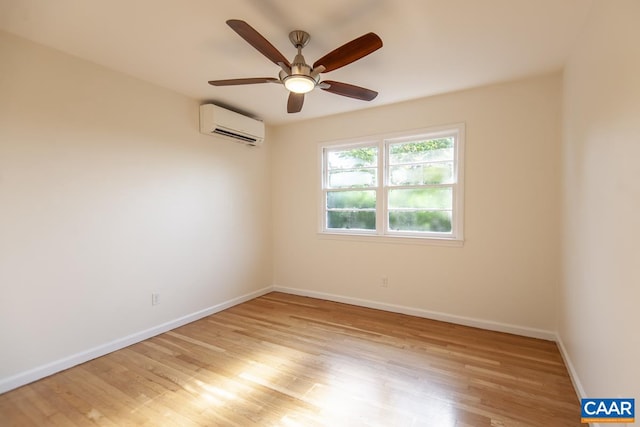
[
  {"x": 229, "y": 124},
  {"x": 231, "y": 134}
]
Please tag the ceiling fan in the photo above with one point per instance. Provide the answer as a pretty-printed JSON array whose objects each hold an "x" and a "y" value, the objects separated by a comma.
[{"x": 299, "y": 77}]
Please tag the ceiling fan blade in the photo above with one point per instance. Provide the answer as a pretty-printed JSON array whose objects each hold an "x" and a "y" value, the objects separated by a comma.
[
  {"x": 351, "y": 91},
  {"x": 294, "y": 103},
  {"x": 350, "y": 52},
  {"x": 256, "y": 40},
  {"x": 249, "y": 81}
]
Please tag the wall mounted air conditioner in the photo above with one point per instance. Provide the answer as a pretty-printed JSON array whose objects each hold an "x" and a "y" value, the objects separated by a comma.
[{"x": 216, "y": 120}]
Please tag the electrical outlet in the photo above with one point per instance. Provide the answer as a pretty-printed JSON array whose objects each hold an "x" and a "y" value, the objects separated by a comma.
[
  {"x": 155, "y": 298},
  {"x": 384, "y": 282}
]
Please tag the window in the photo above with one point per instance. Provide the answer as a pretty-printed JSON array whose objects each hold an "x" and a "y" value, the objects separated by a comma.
[{"x": 402, "y": 185}]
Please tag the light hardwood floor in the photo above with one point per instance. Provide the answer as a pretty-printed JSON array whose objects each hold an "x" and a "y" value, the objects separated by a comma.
[{"x": 284, "y": 360}]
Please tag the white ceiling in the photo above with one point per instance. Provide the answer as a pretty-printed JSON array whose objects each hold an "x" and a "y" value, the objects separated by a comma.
[{"x": 430, "y": 46}]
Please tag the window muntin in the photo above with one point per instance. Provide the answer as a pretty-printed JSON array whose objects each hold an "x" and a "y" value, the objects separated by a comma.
[{"x": 400, "y": 185}]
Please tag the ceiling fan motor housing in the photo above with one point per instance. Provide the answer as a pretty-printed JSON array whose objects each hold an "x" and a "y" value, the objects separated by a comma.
[
  {"x": 299, "y": 66},
  {"x": 300, "y": 79}
]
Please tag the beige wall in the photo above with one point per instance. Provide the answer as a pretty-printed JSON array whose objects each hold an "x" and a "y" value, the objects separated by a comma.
[
  {"x": 107, "y": 194},
  {"x": 599, "y": 316},
  {"x": 508, "y": 269}
]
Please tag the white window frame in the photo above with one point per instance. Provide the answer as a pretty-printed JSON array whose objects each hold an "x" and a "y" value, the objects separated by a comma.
[{"x": 382, "y": 232}]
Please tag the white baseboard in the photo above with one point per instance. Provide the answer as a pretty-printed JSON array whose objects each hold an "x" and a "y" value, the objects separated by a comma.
[
  {"x": 428, "y": 314},
  {"x": 573, "y": 374},
  {"x": 40, "y": 372},
  {"x": 577, "y": 385}
]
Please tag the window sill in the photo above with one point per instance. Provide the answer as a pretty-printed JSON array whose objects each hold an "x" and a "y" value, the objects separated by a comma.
[{"x": 403, "y": 240}]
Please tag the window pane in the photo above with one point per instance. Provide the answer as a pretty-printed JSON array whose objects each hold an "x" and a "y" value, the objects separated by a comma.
[
  {"x": 353, "y": 158},
  {"x": 423, "y": 198},
  {"x": 428, "y": 173},
  {"x": 434, "y": 221},
  {"x": 421, "y": 151},
  {"x": 359, "y": 220},
  {"x": 351, "y": 199},
  {"x": 353, "y": 178}
]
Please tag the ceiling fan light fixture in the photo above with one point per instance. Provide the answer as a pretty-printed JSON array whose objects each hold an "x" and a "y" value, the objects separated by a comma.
[{"x": 299, "y": 83}]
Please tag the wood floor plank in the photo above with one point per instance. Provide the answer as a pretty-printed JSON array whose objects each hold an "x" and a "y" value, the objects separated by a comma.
[{"x": 286, "y": 360}]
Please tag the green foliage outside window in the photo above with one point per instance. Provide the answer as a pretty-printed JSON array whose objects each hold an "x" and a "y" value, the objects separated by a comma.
[
  {"x": 422, "y": 146},
  {"x": 369, "y": 154},
  {"x": 352, "y": 220},
  {"x": 434, "y": 221}
]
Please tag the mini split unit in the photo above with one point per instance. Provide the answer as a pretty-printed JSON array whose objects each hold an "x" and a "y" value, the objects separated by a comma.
[{"x": 216, "y": 120}]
